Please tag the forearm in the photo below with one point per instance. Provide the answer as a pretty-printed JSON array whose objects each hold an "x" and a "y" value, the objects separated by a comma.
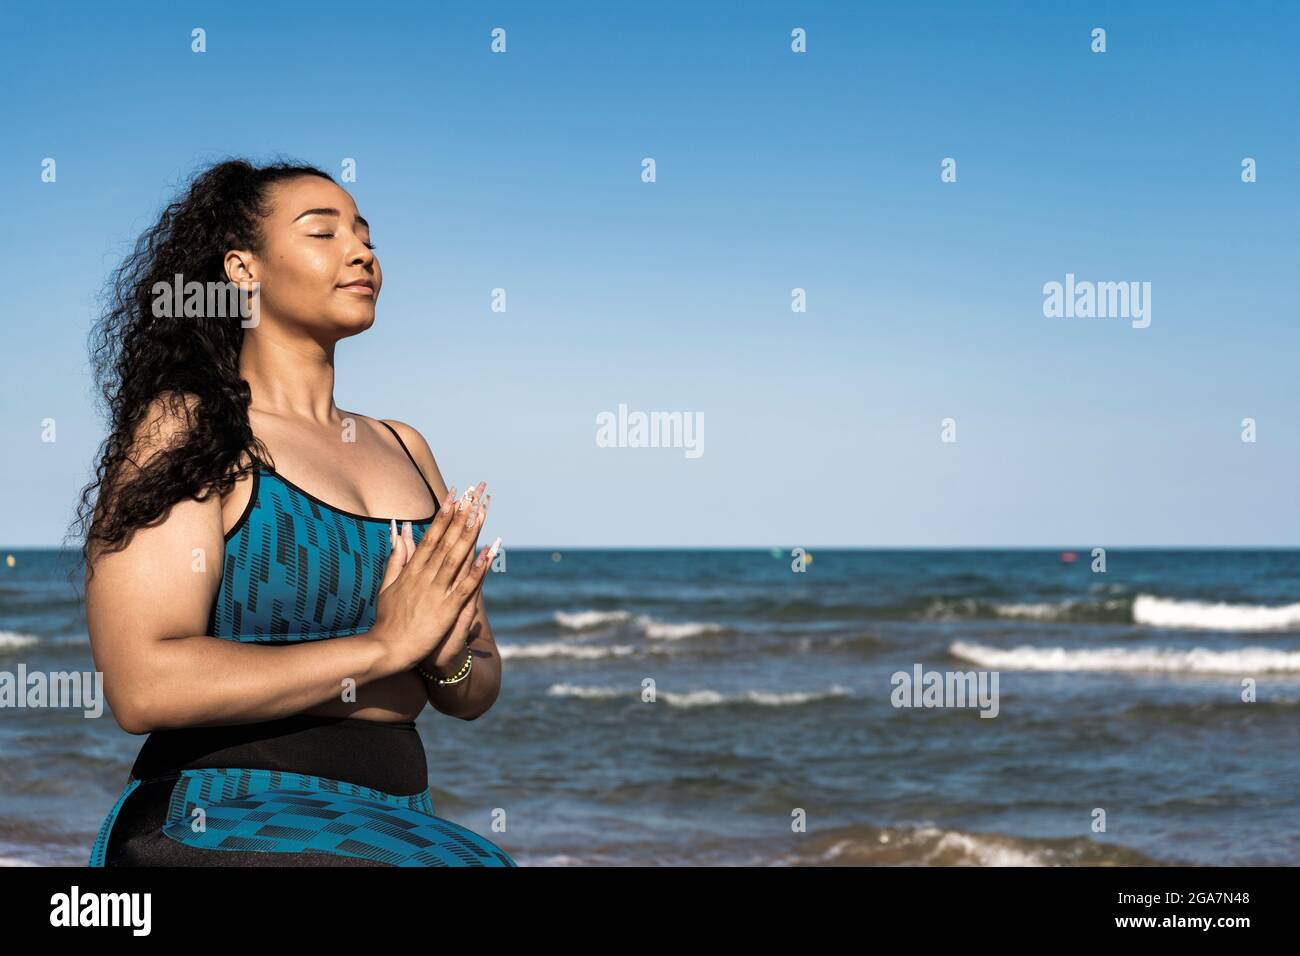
[
  {"x": 475, "y": 695},
  {"x": 202, "y": 680}
]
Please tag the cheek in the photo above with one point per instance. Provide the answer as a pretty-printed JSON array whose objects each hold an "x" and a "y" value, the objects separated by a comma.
[{"x": 302, "y": 268}]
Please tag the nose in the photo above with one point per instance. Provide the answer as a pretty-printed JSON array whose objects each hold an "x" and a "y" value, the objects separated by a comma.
[{"x": 362, "y": 255}]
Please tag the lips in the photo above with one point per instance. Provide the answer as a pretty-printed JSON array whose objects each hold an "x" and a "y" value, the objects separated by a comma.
[{"x": 364, "y": 286}]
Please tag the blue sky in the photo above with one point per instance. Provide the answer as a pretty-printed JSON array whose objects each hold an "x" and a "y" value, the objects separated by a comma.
[{"x": 774, "y": 171}]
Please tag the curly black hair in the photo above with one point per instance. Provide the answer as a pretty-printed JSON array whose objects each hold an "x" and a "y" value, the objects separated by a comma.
[{"x": 183, "y": 365}]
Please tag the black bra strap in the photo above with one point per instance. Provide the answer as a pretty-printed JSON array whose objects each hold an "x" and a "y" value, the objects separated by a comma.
[{"x": 436, "y": 505}]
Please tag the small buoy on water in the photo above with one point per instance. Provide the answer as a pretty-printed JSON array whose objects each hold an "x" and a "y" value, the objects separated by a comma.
[{"x": 1069, "y": 557}]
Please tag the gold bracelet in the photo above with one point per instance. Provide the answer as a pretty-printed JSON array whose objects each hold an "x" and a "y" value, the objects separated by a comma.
[{"x": 455, "y": 678}]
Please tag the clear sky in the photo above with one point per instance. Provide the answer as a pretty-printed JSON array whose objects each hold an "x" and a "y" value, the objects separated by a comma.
[{"x": 775, "y": 171}]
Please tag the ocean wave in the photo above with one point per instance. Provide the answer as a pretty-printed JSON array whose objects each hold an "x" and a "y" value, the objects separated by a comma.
[
  {"x": 651, "y": 627},
  {"x": 1246, "y": 660},
  {"x": 547, "y": 649},
  {"x": 704, "y": 698},
  {"x": 9, "y": 640},
  {"x": 1147, "y": 609},
  {"x": 711, "y": 698},
  {"x": 935, "y": 846},
  {"x": 585, "y": 620},
  {"x": 588, "y": 693},
  {"x": 1116, "y": 610},
  {"x": 669, "y": 631},
  {"x": 1168, "y": 612},
  {"x": 1065, "y": 610}
]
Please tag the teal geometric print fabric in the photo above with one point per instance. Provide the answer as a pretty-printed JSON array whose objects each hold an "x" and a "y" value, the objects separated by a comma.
[
  {"x": 295, "y": 569},
  {"x": 280, "y": 812},
  {"x": 100, "y": 846}
]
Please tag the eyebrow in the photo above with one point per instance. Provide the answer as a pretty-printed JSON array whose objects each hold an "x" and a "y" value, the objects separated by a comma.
[{"x": 327, "y": 212}]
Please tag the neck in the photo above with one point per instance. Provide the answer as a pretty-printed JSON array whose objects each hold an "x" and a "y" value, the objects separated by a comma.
[{"x": 290, "y": 377}]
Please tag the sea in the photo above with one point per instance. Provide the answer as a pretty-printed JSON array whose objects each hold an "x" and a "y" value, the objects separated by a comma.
[{"x": 814, "y": 707}]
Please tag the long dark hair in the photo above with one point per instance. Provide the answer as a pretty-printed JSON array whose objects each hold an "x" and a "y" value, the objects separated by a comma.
[{"x": 189, "y": 366}]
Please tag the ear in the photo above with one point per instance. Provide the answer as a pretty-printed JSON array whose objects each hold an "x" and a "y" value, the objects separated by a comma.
[{"x": 240, "y": 266}]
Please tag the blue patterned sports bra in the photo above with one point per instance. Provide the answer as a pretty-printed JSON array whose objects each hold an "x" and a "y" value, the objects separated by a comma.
[{"x": 298, "y": 569}]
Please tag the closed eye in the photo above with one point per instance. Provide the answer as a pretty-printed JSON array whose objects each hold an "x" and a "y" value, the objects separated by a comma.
[{"x": 330, "y": 235}]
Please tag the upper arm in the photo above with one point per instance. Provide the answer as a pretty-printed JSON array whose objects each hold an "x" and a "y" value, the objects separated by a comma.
[{"x": 159, "y": 586}]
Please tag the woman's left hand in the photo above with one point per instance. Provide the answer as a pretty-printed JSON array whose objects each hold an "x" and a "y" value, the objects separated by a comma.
[{"x": 448, "y": 656}]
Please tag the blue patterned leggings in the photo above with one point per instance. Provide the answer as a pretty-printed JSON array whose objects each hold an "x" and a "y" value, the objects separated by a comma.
[{"x": 227, "y": 796}]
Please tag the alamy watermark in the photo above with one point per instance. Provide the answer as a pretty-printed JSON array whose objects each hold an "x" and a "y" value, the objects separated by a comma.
[
  {"x": 74, "y": 689},
  {"x": 923, "y": 688},
  {"x": 199, "y": 300},
  {"x": 651, "y": 430},
  {"x": 129, "y": 909},
  {"x": 1098, "y": 300}
]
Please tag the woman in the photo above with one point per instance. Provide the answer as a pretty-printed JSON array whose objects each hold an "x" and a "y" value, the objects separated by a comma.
[{"x": 275, "y": 636}]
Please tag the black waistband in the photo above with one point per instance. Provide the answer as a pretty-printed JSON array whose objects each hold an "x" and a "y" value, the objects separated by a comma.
[{"x": 370, "y": 753}]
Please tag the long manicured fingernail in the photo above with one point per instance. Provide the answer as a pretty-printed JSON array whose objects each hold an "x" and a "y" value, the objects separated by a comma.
[
  {"x": 392, "y": 532},
  {"x": 492, "y": 551}
]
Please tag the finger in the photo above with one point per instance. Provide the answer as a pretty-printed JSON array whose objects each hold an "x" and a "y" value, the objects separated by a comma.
[
  {"x": 473, "y": 582},
  {"x": 396, "y": 557},
  {"x": 476, "y": 492},
  {"x": 460, "y": 540},
  {"x": 450, "y": 532},
  {"x": 433, "y": 535},
  {"x": 483, "y": 504}
]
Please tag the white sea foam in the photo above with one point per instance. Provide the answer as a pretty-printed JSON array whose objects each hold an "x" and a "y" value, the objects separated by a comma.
[
  {"x": 583, "y": 620},
  {"x": 1038, "y": 612},
  {"x": 10, "y": 639},
  {"x": 703, "y": 698},
  {"x": 710, "y": 698},
  {"x": 981, "y": 850},
  {"x": 1167, "y": 612},
  {"x": 925, "y": 844},
  {"x": 649, "y": 626},
  {"x": 585, "y": 652},
  {"x": 1063, "y": 611},
  {"x": 1246, "y": 660},
  {"x": 667, "y": 631},
  {"x": 947, "y": 609},
  {"x": 590, "y": 693}
]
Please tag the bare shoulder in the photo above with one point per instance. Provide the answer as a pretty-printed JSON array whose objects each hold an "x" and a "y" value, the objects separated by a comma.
[
  {"x": 422, "y": 454},
  {"x": 162, "y": 425},
  {"x": 165, "y": 422}
]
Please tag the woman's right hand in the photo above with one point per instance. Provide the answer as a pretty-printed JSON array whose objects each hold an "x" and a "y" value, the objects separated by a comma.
[{"x": 420, "y": 599}]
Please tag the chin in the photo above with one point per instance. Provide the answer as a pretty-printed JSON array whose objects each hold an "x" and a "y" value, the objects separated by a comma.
[
  {"x": 355, "y": 326},
  {"x": 343, "y": 326}
]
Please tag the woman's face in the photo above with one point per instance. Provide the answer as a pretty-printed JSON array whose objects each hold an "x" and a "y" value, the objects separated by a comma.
[{"x": 317, "y": 270}]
